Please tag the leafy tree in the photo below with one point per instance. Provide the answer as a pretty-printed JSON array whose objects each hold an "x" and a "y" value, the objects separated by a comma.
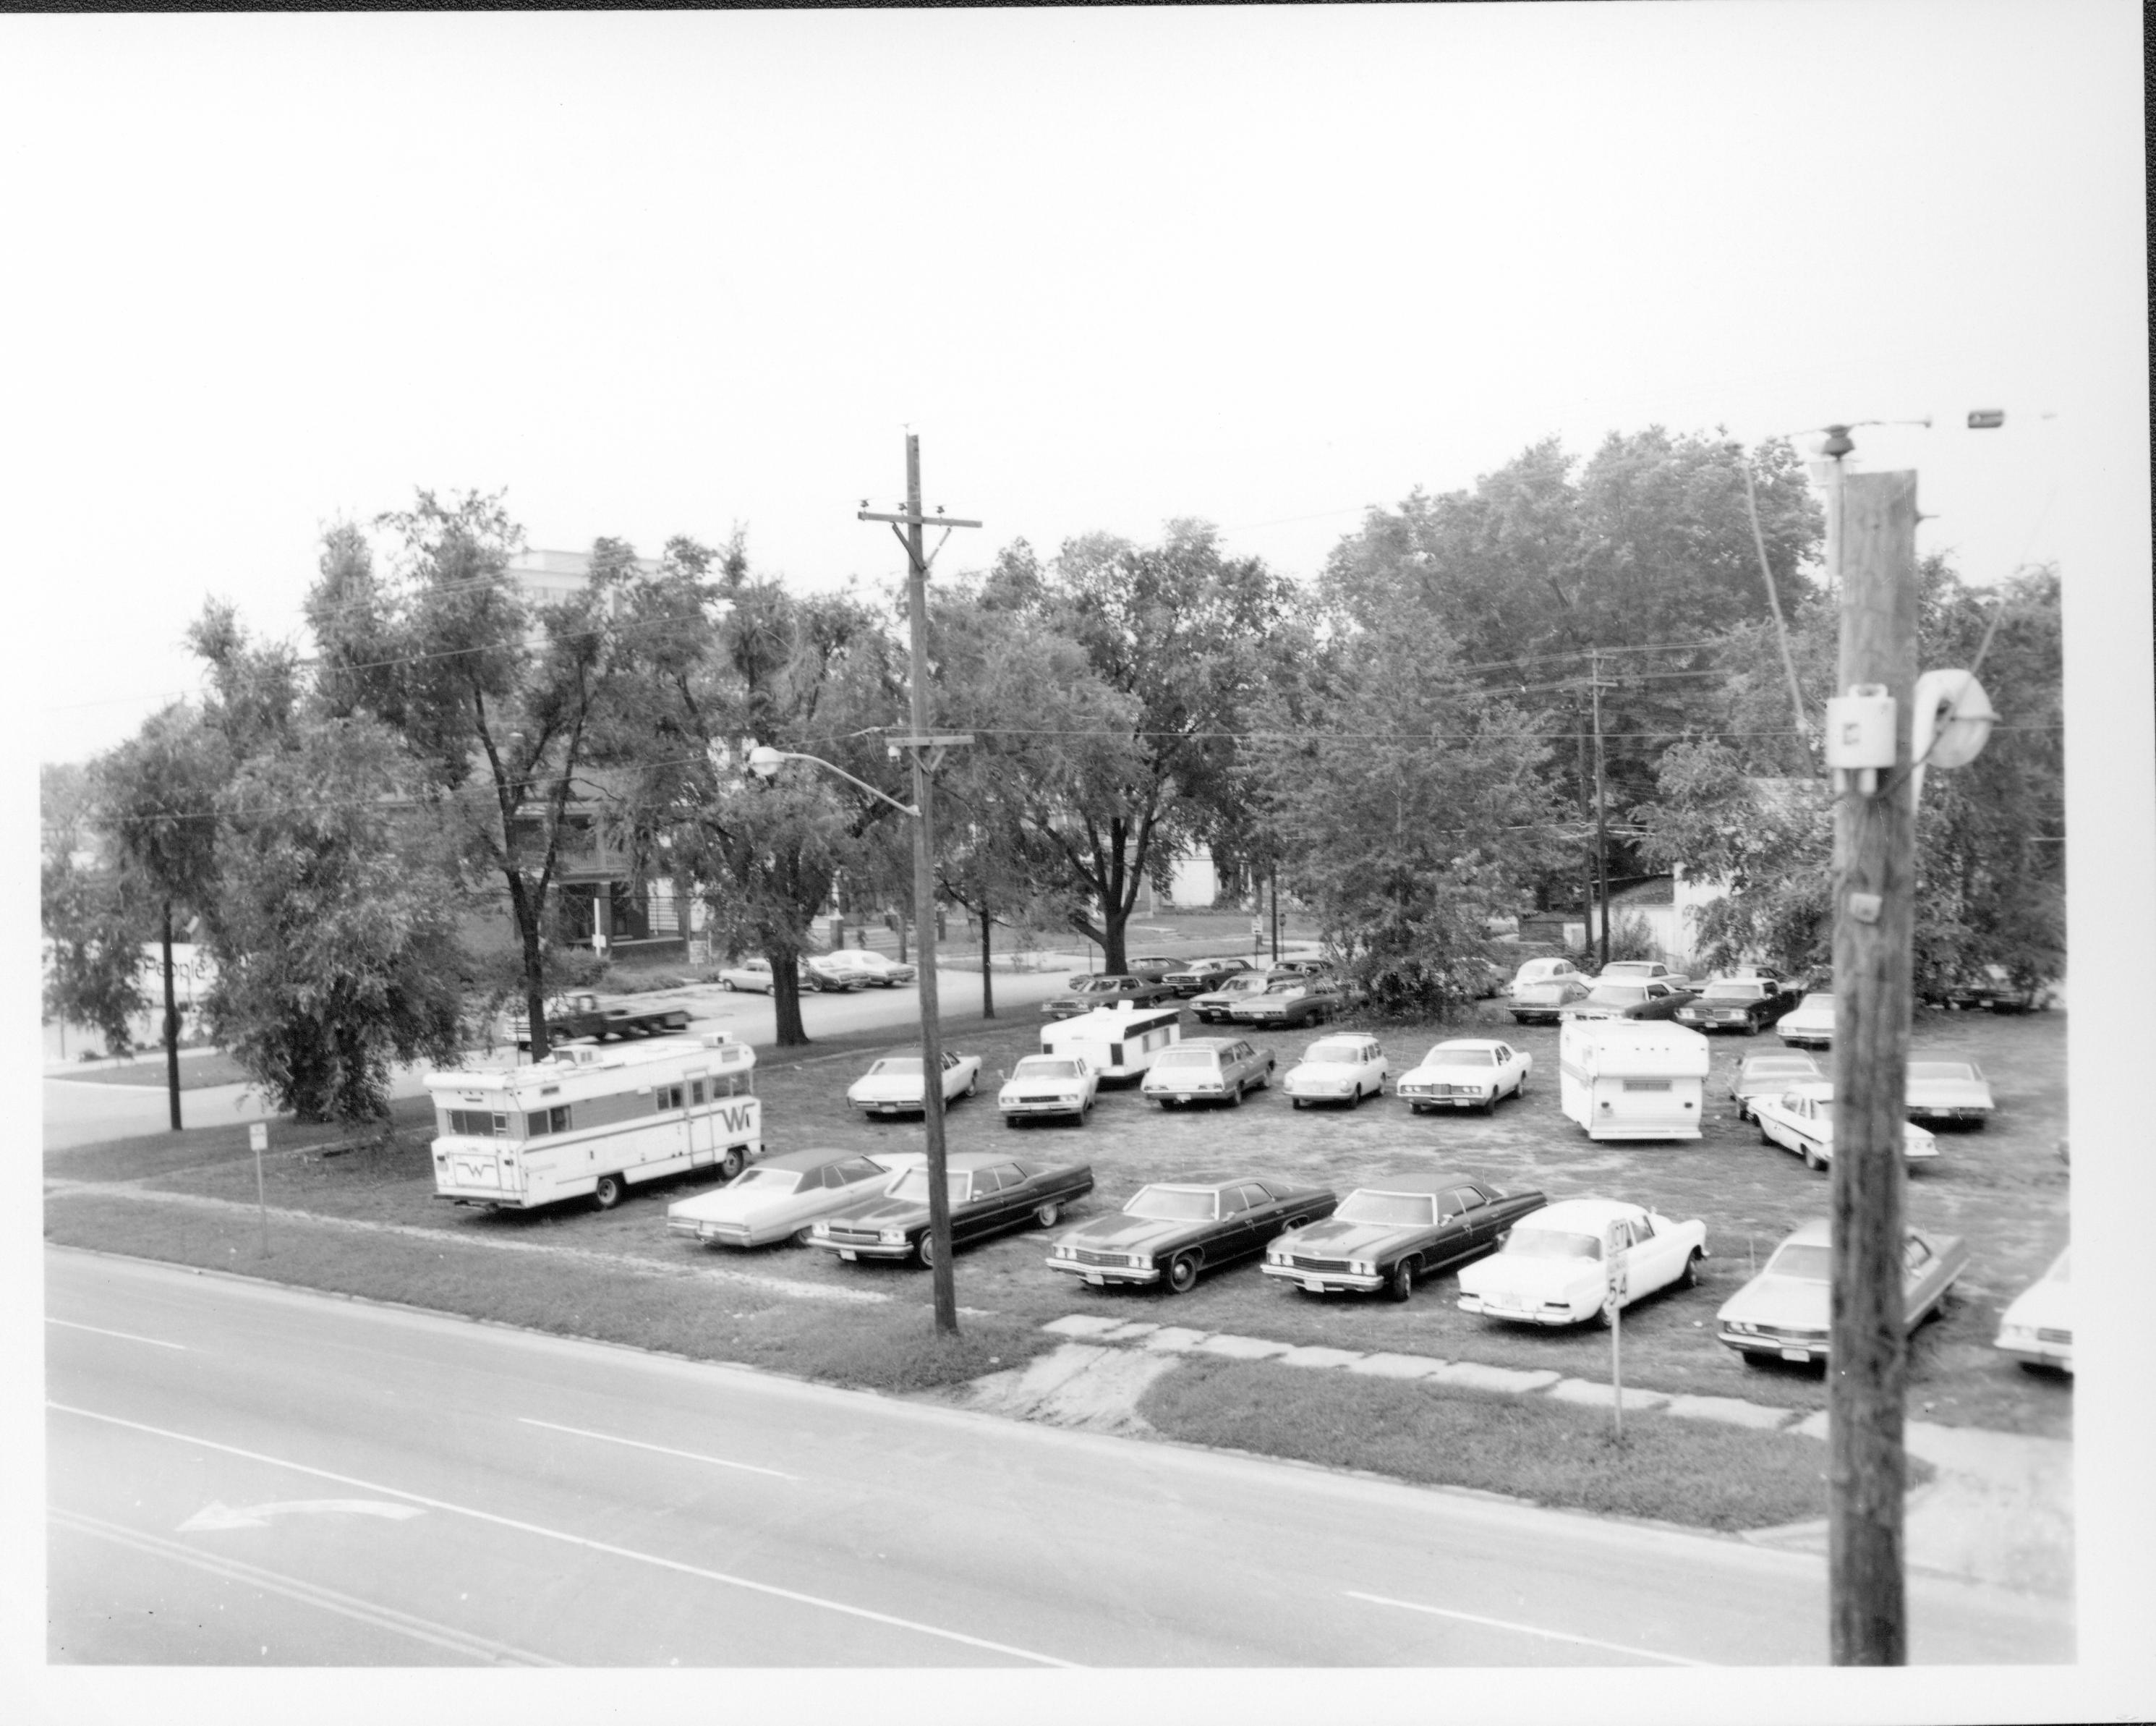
[{"x": 94, "y": 959}]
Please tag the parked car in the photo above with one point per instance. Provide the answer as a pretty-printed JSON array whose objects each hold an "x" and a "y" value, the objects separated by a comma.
[
  {"x": 1207, "y": 1070},
  {"x": 879, "y": 969},
  {"x": 1642, "y": 971},
  {"x": 1466, "y": 1073},
  {"x": 1654, "y": 999},
  {"x": 1290, "y": 1001},
  {"x": 1082, "y": 994},
  {"x": 1547, "y": 970},
  {"x": 1947, "y": 1091},
  {"x": 584, "y": 1015},
  {"x": 1746, "y": 1004},
  {"x": 838, "y": 970},
  {"x": 2037, "y": 1327},
  {"x": 1544, "y": 1003},
  {"x": 755, "y": 976},
  {"x": 1994, "y": 987},
  {"x": 1343, "y": 1067},
  {"x": 780, "y": 1197},
  {"x": 1801, "y": 1119},
  {"x": 1809, "y": 1025},
  {"x": 1783, "y": 1312},
  {"x": 1399, "y": 1228},
  {"x": 893, "y": 1087},
  {"x": 1212, "y": 1006},
  {"x": 1048, "y": 1085},
  {"x": 1552, "y": 1269},
  {"x": 1198, "y": 975},
  {"x": 1302, "y": 968},
  {"x": 1153, "y": 965},
  {"x": 1172, "y": 1231},
  {"x": 1770, "y": 1076},
  {"x": 988, "y": 1195}
]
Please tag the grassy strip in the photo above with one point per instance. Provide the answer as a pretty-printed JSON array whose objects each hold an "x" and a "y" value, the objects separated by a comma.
[
  {"x": 162, "y": 1152},
  {"x": 1688, "y": 1471},
  {"x": 891, "y": 1347},
  {"x": 197, "y": 1073}
]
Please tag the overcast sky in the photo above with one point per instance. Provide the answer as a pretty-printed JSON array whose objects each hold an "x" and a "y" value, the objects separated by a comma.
[{"x": 669, "y": 274}]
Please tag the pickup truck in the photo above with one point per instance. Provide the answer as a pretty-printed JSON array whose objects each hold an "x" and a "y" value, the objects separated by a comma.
[{"x": 581, "y": 1015}]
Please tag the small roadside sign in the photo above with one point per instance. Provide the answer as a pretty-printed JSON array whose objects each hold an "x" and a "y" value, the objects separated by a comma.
[{"x": 257, "y": 1135}]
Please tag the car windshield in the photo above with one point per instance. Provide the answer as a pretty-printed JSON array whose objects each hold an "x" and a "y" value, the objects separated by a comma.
[
  {"x": 1406, "y": 1208},
  {"x": 1334, "y": 1054},
  {"x": 1806, "y": 1260},
  {"x": 778, "y": 1180},
  {"x": 1169, "y": 1205},
  {"x": 914, "y": 1184},
  {"x": 1445, "y": 1055},
  {"x": 1553, "y": 1244},
  {"x": 1043, "y": 1066},
  {"x": 1242, "y": 984},
  {"x": 1735, "y": 991},
  {"x": 1096, "y": 985},
  {"x": 1293, "y": 986},
  {"x": 1184, "y": 1057},
  {"x": 1617, "y": 995},
  {"x": 1941, "y": 1069},
  {"x": 898, "y": 1067}
]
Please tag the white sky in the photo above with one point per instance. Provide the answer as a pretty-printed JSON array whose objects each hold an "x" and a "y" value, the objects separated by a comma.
[
  {"x": 666, "y": 273},
  {"x": 659, "y": 275}
]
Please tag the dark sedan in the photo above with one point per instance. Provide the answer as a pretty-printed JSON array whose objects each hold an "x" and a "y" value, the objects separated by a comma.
[
  {"x": 1746, "y": 1004},
  {"x": 1653, "y": 999},
  {"x": 1399, "y": 1228},
  {"x": 1082, "y": 994},
  {"x": 1202, "y": 974},
  {"x": 989, "y": 1194},
  {"x": 1173, "y": 1230}
]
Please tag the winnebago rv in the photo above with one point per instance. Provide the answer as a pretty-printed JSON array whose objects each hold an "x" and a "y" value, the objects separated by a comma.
[
  {"x": 593, "y": 1119},
  {"x": 1118, "y": 1042},
  {"x": 1632, "y": 1078}
]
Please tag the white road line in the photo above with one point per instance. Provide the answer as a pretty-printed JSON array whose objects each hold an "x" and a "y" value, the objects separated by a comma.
[
  {"x": 590, "y": 1545},
  {"x": 1528, "y": 1629},
  {"x": 123, "y": 1335},
  {"x": 310, "y": 1593},
  {"x": 663, "y": 1450}
]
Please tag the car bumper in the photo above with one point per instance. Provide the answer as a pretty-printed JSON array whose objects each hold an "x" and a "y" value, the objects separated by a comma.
[
  {"x": 1806, "y": 1039},
  {"x": 1042, "y": 1108},
  {"x": 1105, "y": 1273},
  {"x": 1536, "y": 1015},
  {"x": 1949, "y": 1114},
  {"x": 1215, "y": 1094},
  {"x": 1423, "y": 1101},
  {"x": 1794, "y": 1348},
  {"x": 863, "y": 1249},
  {"x": 1318, "y": 1281},
  {"x": 1303, "y": 1094},
  {"x": 715, "y": 1234},
  {"x": 1539, "y": 1314},
  {"x": 2038, "y": 1352}
]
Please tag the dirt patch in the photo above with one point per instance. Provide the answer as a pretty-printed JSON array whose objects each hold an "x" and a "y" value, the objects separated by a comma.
[{"x": 1086, "y": 1384}]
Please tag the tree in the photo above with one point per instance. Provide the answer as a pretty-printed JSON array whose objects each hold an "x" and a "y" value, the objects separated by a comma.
[{"x": 94, "y": 960}]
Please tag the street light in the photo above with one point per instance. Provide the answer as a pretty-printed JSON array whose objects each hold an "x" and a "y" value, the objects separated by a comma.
[{"x": 763, "y": 761}]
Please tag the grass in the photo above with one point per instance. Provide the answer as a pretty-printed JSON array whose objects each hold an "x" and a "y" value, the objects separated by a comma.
[
  {"x": 1689, "y": 1471},
  {"x": 197, "y": 1073}
]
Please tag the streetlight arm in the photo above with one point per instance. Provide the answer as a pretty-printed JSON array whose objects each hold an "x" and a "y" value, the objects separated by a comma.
[{"x": 779, "y": 755}]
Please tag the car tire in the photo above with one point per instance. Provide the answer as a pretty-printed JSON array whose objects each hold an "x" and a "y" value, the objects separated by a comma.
[
  {"x": 1752, "y": 1357},
  {"x": 1400, "y": 1284},
  {"x": 804, "y": 1235},
  {"x": 731, "y": 1164},
  {"x": 1355, "y": 1097},
  {"x": 726, "y": 985},
  {"x": 1236, "y": 1101},
  {"x": 924, "y": 1248},
  {"x": 1182, "y": 1273},
  {"x": 1812, "y": 1160},
  {"x": 1296, "y": 1102},
  {"x": 972, "y": 1085},
  {"x": 1010, "y": 1121},
  {"x": 1765, "y": 1137},
  {"x": 608, "y": 1191},
  {"x": 1046, "y": 1215},
  {"x": 1414, "y": 1109},
  {"x": 1688, "y": 1276}
]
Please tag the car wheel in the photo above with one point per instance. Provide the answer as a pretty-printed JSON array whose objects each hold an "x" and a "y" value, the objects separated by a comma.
[
  {"x": 1414, "y": 1109},
  {"x": 1237, "y": 1099},
  {"x": 1812, "y": 1158},
  {"x": 726, "y": 985},
  {"x": 607, "y": 1192},
  {"x": 1490, "y": 1102},
  {"x": 732, "y": 1162},
  {"x": 1295, "y": 1102},
  {"x": 972, "y": 1085},
  {"x": 1688, "y": 1276},
  {"x": 924, "y": 1248},
  {"x": 1752, "y": 1357},
  {"x": 1602, "y": 1318},
  {"x": 1400, "y": 1284},
  {"x": 804, "y": 1235},
  {"x": 1046, "y": 1215},
  {"x": 1182, "y": 1273},
  {"x": 1765, "y": 1137},
  {"x": 1355, "y": 1097},
  {"x": 1010, "y": 1121}
]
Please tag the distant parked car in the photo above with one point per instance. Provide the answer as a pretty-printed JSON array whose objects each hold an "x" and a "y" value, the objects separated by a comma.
[
  {"x": 2037, "y": 1327},
  {"x": 1048, "y": 1085},
  {"x": 755, "y": 975},
  {"x": 1207, "y": 1070},
  {"x": 838, "y": 970},
  {"x": 1544, "y": 1003},
  {"x": 893, "y": 1087},
  {"x": 1552, "y": 1268},
  {"x": 1620, "y": 999},
  {"x": 1801, "y": 1119},
  {"x": 1547, "y": 970},
  {"x": 1947, "y": 1091},
  {"x": 1809, "y": 1025},
  {"x": 1642, "y": 971},
  {"x": 1343, "y": 1067},
  {"x": 1466, "y": 1073},
  {"x": 1213, "y": 1005},
  {"x": 779, "y": 1197},
  {"x": 1770, "y": 1076},
  {"x": 1303, "y": 968},
  {"x": 1196, "y": 976},
  {"x": 988, "y": 1195},
  {"x": 1289, "y": 1001},
  {"x": 1082, "y": 994},
  {"x": 1153, "y": 965},
  {"x": 1746, "y": 1004},
  {"x": 1397, "y": 1230},
  {"x": 1783, "y": 1312},
  {"x": 879, "y": 969},
  {"x": 1172, "y": 1231}
]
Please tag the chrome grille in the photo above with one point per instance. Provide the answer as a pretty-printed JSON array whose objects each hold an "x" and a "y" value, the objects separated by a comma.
[
  {"x": 1301, "y": 1263},
  {"x": 2048, "y": 1334},
  {"x": 1086, "y": 1255}
]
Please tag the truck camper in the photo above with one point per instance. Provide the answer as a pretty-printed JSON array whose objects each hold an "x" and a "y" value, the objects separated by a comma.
[
  {"x": 1632, "y": 1078},
  {"x": 1117, "y": 1042}
]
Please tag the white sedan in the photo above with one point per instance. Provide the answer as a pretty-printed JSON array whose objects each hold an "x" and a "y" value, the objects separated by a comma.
[
  {"x": 892, "y": 1086},
  {"x": 1048, "y": 1085},
  {"x": 1466, "y": 1073},
  {"x": 2037, "y": 1328},
  {"x": 781, "y": 1197},
  {"x": 1558, "y": 1263},
  {"x": 1809, "y": 1025},
  {"x": 1801, "y": 1119},
  {"x": 1947, "y": 1091},
  {"x": 1341, "y": 1068}
]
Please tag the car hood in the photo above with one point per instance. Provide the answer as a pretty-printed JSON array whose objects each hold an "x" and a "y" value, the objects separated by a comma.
[
  {"x": 1118, "y": 1233},
  {"x": 2048, "y": 1305},
  {"x": 1324, "y": 1074},
  {"x": 1040, "y": 1087},
  {"x": 725, "y": 1206},
  {"x": 1948, "y": 1094},
  {"x": 892, "y": 1088},
  {"x": 879, "y": 1212},
  {"x": 1541, "y": 1279},
  {"x": 1348, "y": 1240},
  {"x": 1451, "y": 1076},
  {"x": 1789, "y": 1302}
]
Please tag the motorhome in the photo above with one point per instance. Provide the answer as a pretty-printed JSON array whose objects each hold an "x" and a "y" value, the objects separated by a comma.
[
  {"x": 1632, "y": 1078},
  {"x": 1117, "y": 1042},
  {"x": 594, "y": 1120}
]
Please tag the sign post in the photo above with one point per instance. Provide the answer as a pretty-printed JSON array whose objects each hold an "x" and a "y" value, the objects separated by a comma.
[
  {"x": 1615, "y": 1287},
  {"x": 258, "y": 1141}
]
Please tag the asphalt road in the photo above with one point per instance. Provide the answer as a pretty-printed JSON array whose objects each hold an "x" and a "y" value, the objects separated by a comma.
[{"x": 245, "y": 1475}]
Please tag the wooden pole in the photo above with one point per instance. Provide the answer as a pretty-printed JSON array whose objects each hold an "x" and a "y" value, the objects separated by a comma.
[
  {"x": 172, "y": 1027},
  {"x": 1874, "y": 882},
  {"x": 1601, "y": 817}
]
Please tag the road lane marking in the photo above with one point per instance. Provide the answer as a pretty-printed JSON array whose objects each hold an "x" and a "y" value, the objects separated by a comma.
[
  {"x": 310, "y": 1593},
  {"x": 663, "y": 1450},
  {"x": 127, "y": 1336},
  {"x": 217, "y": 1514},
  {"x": 590, "y": 1545},
  {"x": 1528, "y": 1629}
]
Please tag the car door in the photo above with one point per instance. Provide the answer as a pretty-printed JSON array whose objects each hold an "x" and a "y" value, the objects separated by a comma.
[
  {"x": 1475, "y": 1222},
  {"x": 1009, "y": 1204},
  {"x": 1654, "y": 1259},
  {"x": 1923, "y": 1273}
]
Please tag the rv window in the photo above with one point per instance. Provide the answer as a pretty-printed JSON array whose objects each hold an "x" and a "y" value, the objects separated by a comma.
[
  {"x": 696, "y": 1092},
  {"x": 667, "y": 1097}
]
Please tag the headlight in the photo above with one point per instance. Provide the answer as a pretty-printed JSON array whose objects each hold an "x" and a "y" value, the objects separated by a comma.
[
  {"x": 1065, "y": 1253},
  {"x": 892, "y": 1237},
  {"x": 1276, "y": 1258},
  {"x": 1141, "y": 1261},
  {"x": 1742, "y": 1329},
  {"x": 1363, "y": 1267},
  {"x": 823, "y": 1229},
  {"x": 2017, "y": 1334},
  {"x": 1071, "y": 1096}
]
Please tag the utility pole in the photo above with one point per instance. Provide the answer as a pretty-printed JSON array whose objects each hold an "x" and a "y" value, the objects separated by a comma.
[
  {"x": 172, "y": 1026},
  {"x": 926, "y": 751},
  {"x": 1874, "y": 895},
  {"x": 1601, "y": 812}
]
